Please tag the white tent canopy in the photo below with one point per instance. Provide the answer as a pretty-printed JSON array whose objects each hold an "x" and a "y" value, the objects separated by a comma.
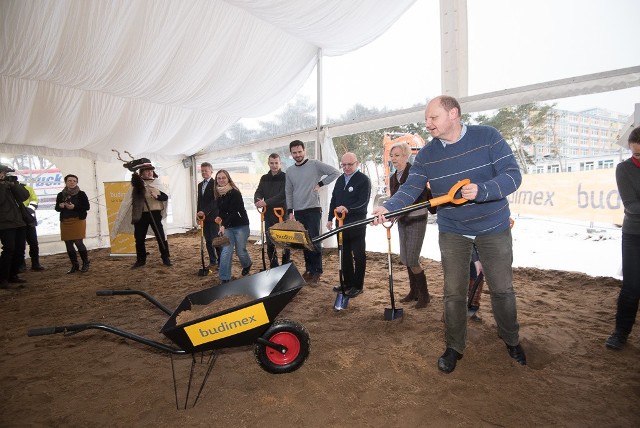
[{"x": 82, "y": 77}]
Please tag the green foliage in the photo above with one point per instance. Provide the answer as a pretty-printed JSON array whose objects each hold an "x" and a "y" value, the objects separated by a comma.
[{"x": 521, "y": 126}]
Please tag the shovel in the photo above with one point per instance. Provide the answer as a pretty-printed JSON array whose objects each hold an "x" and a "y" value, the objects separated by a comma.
[
  {"x": 391, "y": 313},
  {"x": 342, "y": 300},
  {"x": 205, "y": 270},
  {"x": 261, "y": 210},
  {"x": 294, "y": 235}
]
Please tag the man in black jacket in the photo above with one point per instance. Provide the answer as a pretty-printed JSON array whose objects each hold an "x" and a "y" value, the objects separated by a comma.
[
  {"x": 269, "y": 195},
  {"x": 206, "y": 206},
  {"x": 351, "y": 195},
  {"x": 12, "y": 227}
]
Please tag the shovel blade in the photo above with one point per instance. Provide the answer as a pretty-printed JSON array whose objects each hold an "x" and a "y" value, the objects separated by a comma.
[
  {"x": 291, "y": 238},
  {"x": 204, "y": 272},
  {"x": 342, "y": 301},
  {"x": 391, "y": 314}
]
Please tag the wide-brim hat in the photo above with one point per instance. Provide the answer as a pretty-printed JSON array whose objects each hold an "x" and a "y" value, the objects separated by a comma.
[{"x": 6, "y": 168}]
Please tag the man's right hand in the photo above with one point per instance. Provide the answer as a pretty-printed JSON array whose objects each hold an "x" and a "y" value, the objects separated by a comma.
[{"x": 379, "y": 213}]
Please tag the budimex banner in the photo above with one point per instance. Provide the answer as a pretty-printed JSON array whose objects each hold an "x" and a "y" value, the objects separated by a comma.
[
  {"x": 114, "y": 191},
  {"x": 590, "y": 196}
]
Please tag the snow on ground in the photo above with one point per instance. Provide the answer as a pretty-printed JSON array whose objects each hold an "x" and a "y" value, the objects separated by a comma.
[{"x": 540, "y": 243}]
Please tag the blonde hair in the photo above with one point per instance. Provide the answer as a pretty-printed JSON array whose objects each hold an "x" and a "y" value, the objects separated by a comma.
[{"x": 404, "y": 147}]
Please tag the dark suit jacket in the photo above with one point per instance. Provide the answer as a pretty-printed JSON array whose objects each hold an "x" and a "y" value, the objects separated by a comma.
[{"x": 207, "y": 202}]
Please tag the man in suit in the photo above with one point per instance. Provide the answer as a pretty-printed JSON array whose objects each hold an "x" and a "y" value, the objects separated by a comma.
[
  {"x": 351, "y": 195},
  {"x": 207, "y": 207}
]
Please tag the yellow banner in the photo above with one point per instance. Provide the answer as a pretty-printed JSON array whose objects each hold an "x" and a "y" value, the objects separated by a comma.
[
  {"x": 590, "y": 196},
  {"x": 114, "y": 191},
  {"x": 227, "y": 325}
]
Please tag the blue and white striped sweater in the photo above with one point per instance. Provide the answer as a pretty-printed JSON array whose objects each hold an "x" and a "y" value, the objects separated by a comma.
[{"x": 481, "y": 155}]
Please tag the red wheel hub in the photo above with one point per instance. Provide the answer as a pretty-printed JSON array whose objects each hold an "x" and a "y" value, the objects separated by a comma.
[{"x": 287, "y": 339}]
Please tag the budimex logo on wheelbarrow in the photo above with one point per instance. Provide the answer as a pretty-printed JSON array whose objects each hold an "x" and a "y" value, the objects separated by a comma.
[{"x": 227, "y": 325}]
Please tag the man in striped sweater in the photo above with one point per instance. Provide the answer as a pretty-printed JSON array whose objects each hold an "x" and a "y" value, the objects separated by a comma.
[{"x": 481, "y": 154}]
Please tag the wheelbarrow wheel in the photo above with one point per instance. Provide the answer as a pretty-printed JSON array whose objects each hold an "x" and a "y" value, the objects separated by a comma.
[{"x": 289, "y": 334}]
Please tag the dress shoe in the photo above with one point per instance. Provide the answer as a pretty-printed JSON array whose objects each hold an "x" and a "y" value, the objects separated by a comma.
[
  {"x": 616, "y": 341},
  {"x": 37, "y": 268},
  {"x": 166, "y": 261},
  {"x": 353, "y": 292},
  {"x": 306, "y": 276},
  {"x": 17, "y": 280},
  {"x": 138, "y": 264},
  {"x": 22, "y": 268},
  {"x": 447, "y": 362},
  {"x": 4, "y": 284},
  {"x": 517, "y": 353},
  {"x": 314, "y": 279},
  {"x": 245, "y": 271},
  {"x": 338, "y": 288}
]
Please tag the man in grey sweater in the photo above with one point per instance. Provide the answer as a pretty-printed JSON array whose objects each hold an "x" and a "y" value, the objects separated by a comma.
[{"x": 303, "y": 182}]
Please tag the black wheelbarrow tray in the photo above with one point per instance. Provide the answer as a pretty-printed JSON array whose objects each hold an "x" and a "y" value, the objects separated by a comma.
[{"x": 280, "y": 345}]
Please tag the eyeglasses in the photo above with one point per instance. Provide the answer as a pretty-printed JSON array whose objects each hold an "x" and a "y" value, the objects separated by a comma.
[{"x": 343, "y": 165}]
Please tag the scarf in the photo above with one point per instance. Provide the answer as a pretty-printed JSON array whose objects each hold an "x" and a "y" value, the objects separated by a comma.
[
  {"x": 635, "y": 161},
  {"x": 67, "y": 193},
  {"x": 224, "y": 189}
]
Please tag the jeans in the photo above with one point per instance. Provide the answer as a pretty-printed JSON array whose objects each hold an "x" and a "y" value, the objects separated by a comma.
[
  {"x": 496, "y": 255},
  {"x": 629, "y": 296},
  {"x": 238, "y": 237},
  {"x": 310, "y": 219}
]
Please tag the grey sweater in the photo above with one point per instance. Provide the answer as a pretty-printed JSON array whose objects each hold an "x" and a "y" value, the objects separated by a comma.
[
  {"x": 628, "y": 180},
  {"x": 301, "y": 179}
]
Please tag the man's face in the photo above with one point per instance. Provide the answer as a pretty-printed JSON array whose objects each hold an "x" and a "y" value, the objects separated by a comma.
[
  {"x": 297, "y": 153},
  {"x": 635, "y": 150},
  {"x": 349, "y": 164},
  {"x": 206, "y": 172},
  {"x": 274, "y": 165},
  {"x": 441, "y": 123}
]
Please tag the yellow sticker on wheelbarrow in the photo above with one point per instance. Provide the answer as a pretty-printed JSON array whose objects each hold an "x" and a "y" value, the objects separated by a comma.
[{"x": 227, "y": 325}]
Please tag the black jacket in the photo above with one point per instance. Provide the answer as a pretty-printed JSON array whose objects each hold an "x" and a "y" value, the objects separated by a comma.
[
  {"x": 11, "y": 194},
  {"x": 271, "y": 189},
  {"x": 231, "y": 209},
  {"x": 207, "y": 202},
  {"x": 354, "y": 195},
  {"x": 81, "y": 206}
]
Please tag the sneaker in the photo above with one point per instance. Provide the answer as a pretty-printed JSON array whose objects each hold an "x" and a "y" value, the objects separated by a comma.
[
  {"x": 616, "y": 341},
  {"x": 447, "y": 362},
  {"x": 517, "y": 353}
]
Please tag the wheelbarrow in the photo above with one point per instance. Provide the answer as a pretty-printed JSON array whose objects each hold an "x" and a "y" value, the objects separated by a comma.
[
  {"x": 292, "y": 234},
  {"x": 280, "y": 345}
]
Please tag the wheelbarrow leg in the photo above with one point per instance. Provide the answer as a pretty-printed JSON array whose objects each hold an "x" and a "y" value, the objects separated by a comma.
[{"x": 210, "y": 363}]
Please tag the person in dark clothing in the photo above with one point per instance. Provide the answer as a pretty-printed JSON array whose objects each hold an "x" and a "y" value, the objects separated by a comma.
[
  {"x": 628, "y": 181},
  {"x": 270, "y": 194},
  {"x": 234, "y": 225},
  {"x": 207, "y": 208},
  {"x": 350, "y": 196},
  {"x": 73, "y": 204},
  {"x": 31, "y": 205},
  {"x": 149, "y": 202},
  {"x": 12, "y": 227},
  {"x": 411, "y": 227}
]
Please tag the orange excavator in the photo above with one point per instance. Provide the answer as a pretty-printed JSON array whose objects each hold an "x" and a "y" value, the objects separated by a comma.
[{"x": 415, "y": 141}]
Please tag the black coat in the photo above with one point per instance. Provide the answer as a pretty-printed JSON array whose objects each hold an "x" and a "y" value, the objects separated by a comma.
[
  {"x": 81, "y": 206},
  {"x": 271, "y": 189},
  {"x": 207, "y": 202},
  {"x": 231, "y": 209}
]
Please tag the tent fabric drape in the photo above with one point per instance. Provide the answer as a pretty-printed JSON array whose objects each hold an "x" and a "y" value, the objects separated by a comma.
[{"x": 162, "y": 77}]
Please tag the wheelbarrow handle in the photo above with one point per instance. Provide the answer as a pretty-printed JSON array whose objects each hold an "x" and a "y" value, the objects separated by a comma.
[{"x": 448, "y": 198}]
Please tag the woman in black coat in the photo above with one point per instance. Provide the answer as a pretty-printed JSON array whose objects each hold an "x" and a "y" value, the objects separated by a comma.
[{"x": 73, "y": 204}]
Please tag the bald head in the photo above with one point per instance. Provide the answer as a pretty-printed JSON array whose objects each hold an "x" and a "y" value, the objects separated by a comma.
[
  {"x": 442, "y": 118},
  {"x": 349, "y": 163}
]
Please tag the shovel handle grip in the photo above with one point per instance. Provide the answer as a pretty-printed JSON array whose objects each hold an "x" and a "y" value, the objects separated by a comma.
[
  {"x": 451, "y": 195},
  {"x": 261, "y": 210},
  {"x": 279, "y": 212},
  {"x": 339, "y": 216}
]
